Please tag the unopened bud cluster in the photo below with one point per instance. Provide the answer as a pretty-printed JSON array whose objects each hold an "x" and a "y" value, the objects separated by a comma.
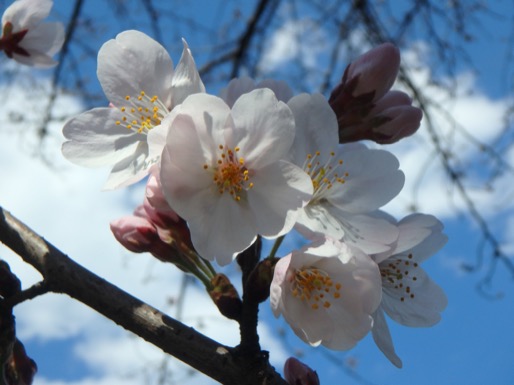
[{"x": 365, "y": 106}]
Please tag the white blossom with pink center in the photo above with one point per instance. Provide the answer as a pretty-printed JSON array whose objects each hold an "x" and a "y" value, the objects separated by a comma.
[
  {"x": 222, "y": 170},
  {"x": 327, "y": 293}
]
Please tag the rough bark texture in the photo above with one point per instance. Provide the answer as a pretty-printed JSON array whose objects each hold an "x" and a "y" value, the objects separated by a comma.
[{"x": 63, "y": 275}]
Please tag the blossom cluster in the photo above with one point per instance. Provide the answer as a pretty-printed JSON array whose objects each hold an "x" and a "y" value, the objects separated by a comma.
[{"x": 258, "y": 161}]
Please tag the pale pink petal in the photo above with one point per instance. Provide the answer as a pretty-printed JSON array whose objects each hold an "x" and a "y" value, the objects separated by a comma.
[
  {"x": 220, "y": 228},
  {"x": 182, "y": 164},
  {"x": 327, "y": 293}
]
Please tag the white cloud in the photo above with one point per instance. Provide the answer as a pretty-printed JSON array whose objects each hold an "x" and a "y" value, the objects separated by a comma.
[
  {"x": 475, "y": 116},
  {"x": 294, "y": 40}
]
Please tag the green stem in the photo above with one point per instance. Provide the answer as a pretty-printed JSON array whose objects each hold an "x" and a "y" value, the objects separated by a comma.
[
  {"x": 202, "y": 277},
  {"x": 210, "y": 267},
  {"x": 191, "y": 266},
  {"x": 276, "y": 245},
  {"x": 206, "y": 267}
]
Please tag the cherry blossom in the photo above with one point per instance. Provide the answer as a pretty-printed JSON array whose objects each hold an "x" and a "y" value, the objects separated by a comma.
[
  {"x": 350, "y": 181},
  {"x": 327, "y": 292},
  {"x": 222, "y": 171},
  {"x": 409, "y": 297},
  {"x": 25, "y": 38},
  {"x": 137, "y": 76}
]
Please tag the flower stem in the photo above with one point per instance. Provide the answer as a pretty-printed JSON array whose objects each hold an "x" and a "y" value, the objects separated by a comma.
[
  {"x": 248, "y": 259},
  {"x": 276, "y": 246}
]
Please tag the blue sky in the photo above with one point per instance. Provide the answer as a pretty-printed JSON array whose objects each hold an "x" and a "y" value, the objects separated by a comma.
[{"x": 473, "y": 344}]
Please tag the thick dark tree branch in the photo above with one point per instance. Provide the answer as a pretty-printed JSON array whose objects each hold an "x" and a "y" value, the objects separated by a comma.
[{"x": 63, "y": 275}]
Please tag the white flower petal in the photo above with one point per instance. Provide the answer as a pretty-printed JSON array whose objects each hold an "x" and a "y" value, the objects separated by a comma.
[
  {"x": 134, "y": 62},
  {"x": 182, "y": 164},
  {"x": 279, "y": 87},
  {"x": 313, "y": 327},
  {"x": 279, "y": 277},
  {"x": 423, "y": 309},
  {"x": 318, "y": 219},
  {"x": 356, "y": 326},
  {"x": 239, "y": 86},
  {"x": 236, "y": 87},
  {"x": 415, "y": 228},
  {"x": 186, "y": 79},
  {"x": 366, "y": 232},
  {"x": 131, "y": 169},
  {"x": 316, "y": 127},
  {"x": 382, "y": 338},
  {"x": 196, "y": 130},
  {"x": 24, "y": 14},
  {"x": 373, "y": 180},
  {"x": 36, "y": 59},
  {"x": 280, "y": 189},
  {"x": 429, "y": 247},
  {"x": 95, "y": 140},
  {"x": 264, "y": 128},
  {"x": 46, "y": 39},
  {"x": 220, "y": 228}
]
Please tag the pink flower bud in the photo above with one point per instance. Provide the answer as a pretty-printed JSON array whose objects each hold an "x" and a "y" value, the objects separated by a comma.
[
  {"x": 297, "y": 373},
  {"x": 374, "y": 72},
  {"x": 135, "y": 233},
  {"x": 402, "y": 121},
  {"x": 391, "y": 99},
  {"x": 390, "y": 119},
  {"x": 161, "y": 219},
  {"x": 363, "y": 92},
  {"x": 154, "y": 192}
]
